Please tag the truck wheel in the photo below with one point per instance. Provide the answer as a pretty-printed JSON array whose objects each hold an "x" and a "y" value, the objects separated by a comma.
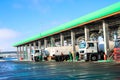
[
  {"x": 94, "y": 58},
  {"x": 56, "y": 58}
]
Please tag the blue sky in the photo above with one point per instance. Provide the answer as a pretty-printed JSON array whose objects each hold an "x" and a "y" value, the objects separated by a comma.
[{"x": 21, "y": 19}]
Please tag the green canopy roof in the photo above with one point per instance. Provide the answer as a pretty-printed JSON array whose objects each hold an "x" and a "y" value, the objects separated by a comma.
[{"x": 87, "y": 18}]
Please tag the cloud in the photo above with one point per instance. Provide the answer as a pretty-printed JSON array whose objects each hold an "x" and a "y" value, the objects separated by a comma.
[
  {"x": 7, "y": 33},
  {"x": 7, "y": 46},
  {"x": 7, "y": 38}
]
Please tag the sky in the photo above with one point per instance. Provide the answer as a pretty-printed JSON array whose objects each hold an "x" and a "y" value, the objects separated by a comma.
[{"x": 21, "y": 19}]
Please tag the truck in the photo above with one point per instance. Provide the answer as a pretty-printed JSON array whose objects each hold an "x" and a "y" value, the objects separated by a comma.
[
  {"x": 93, "y": 50},
  {"x": 39, "y": 55},
  {"x": 59, "y": 53},
  {"x": 88, "y": 50}
]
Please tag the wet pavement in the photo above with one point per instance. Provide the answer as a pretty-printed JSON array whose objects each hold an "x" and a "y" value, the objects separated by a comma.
[{"x": 59, "y": 71}]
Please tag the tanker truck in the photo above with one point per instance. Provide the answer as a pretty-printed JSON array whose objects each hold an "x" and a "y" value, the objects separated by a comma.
[
  {"x": 93, "y": 50},
  {"x": 59, "y": 53}
]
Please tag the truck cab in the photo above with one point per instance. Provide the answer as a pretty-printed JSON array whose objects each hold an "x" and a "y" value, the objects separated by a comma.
[
  {"x": 88, "y": 50},
  {"x": 37, "y": 55},
  {"x": 88, "y": 47}
]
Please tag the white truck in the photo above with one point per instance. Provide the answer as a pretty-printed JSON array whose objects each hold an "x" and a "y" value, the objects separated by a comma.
[
  {"x": 88, "y": 50},
  {"x": 39, "y": 55},
  {"x": 36, "y": 55},
  {"x": 59, "y": 53},
  {"x": 92, "y": 50}
]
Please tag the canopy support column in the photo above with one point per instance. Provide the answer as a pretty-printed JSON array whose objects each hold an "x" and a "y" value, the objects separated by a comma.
[
  {"x": 61, "y": 39},
  {"x": 45, "y": 43},
  {"x": 29, "y": 53},
  {"x": 86, "y": 33},
  {"x": 39, "y": 44},
  {"x": 73, "y": 43},
  {"x": 52, "y": 41},
  {"x": 34, "y": 45},
  {"x": 23, "y": 53},
  {"x": 26, "y": 52},
  {"x": 18, "y": 53},
  {"x": 106, "y": 37}
]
